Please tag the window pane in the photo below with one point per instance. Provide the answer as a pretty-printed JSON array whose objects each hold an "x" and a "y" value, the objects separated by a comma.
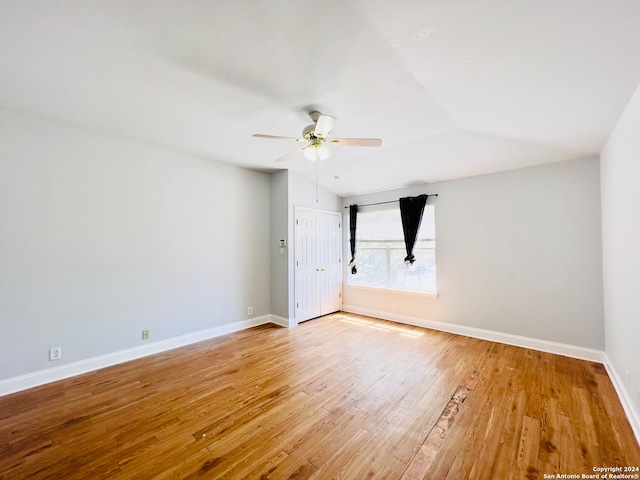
[
  {"x": 372, "y": 267},
  {"x": 420, "y": 276},
  {"x": 380, "y": 252}
]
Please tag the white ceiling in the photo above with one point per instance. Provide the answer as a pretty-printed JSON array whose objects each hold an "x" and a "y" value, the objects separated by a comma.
[{"x": 454, "y": 88}]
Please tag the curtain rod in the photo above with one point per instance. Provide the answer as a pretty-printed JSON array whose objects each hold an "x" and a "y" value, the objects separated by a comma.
[{"x": 390, "y": 201}]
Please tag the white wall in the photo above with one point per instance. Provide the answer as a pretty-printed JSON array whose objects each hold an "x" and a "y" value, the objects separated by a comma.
[
  {"x": 303, "y": 194},
  {"x": 620, "y": 173},
  {"x": 280, "y": 220},
  {"x": 518, "y": 252},
  {"x": 102, "y": 237}
]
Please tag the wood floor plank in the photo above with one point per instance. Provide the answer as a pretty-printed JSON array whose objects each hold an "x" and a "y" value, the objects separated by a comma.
[
  {"x": 549, "y": 433},
  {"x": 527, "y": 463},
  {"x": 342, "y": 396},
  {"x": 421, "y": 463}
]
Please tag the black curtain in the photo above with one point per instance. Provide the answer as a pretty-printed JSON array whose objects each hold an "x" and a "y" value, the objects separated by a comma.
[
  {"x": 353, "y": 218},
  {"x": 411, "y": 209}
]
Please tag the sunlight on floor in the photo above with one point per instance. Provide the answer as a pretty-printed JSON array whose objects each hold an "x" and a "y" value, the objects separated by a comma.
[{"x": 405, "y": 332}]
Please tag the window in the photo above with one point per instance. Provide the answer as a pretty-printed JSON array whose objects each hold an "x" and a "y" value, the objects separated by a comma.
[{"x": 380, "y": 252}]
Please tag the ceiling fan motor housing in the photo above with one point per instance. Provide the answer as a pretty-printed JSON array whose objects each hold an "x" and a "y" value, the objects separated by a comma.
[{"x": 308, "y": 132}]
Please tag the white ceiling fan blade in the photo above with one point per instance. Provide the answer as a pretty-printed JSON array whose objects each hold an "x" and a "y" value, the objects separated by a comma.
[
  {"x": 278, "y": 137},
  {"x": 357, "y": 142},
  {"x": 291, "y": 154},
  {"x": 324, "y": 125}
]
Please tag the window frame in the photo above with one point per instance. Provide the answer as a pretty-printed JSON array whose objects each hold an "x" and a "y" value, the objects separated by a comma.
[{"x": 392, "y": 246}]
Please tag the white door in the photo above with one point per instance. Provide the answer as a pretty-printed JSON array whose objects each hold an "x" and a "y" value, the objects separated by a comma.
[
  {"x": 329, "y": 255},
  {"x": 318, "y": 277},
  {"x": 307, "y": 295}
]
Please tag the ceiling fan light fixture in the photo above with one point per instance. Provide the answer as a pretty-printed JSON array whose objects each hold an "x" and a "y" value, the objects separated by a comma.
[
  {"x": 316, "y": 151},
  {"x": 323, "y": 152},
  {"x": 310, "y": 153}
]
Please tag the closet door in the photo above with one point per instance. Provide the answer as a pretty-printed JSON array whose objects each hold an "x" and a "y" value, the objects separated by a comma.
[
  {"x": 318, "y": 280},
  {"x": 307, "y": 296},
  {"x": 329, "y": 254}
]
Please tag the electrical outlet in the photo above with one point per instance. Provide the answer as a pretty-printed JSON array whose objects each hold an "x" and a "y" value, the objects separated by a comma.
[
  {"x": 145, "y": 334},
  {"x": 394, "y": 307},
  {"x": 250, "y": 311},
  {"x": 55, "y": 353}
]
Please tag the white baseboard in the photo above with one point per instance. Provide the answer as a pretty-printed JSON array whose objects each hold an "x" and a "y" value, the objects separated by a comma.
[
  {"x": 499, "y": 337},
  {"x": 49, "y": 375},
  {"x": 283, "y": 322},
  {"x": 625, "y": 398}
]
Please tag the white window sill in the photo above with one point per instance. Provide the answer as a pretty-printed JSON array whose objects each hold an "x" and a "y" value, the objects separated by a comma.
[{"x": 393, "y": 290}]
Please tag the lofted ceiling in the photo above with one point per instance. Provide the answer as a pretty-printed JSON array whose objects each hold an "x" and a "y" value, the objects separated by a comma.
[{"x": 453, "y": 87}]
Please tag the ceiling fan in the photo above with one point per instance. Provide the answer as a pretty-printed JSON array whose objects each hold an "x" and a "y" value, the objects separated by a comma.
[{"x": 317, "y": 135}]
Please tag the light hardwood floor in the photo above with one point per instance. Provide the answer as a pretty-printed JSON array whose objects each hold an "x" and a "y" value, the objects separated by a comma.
[{"x": 343, "y": 396}]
